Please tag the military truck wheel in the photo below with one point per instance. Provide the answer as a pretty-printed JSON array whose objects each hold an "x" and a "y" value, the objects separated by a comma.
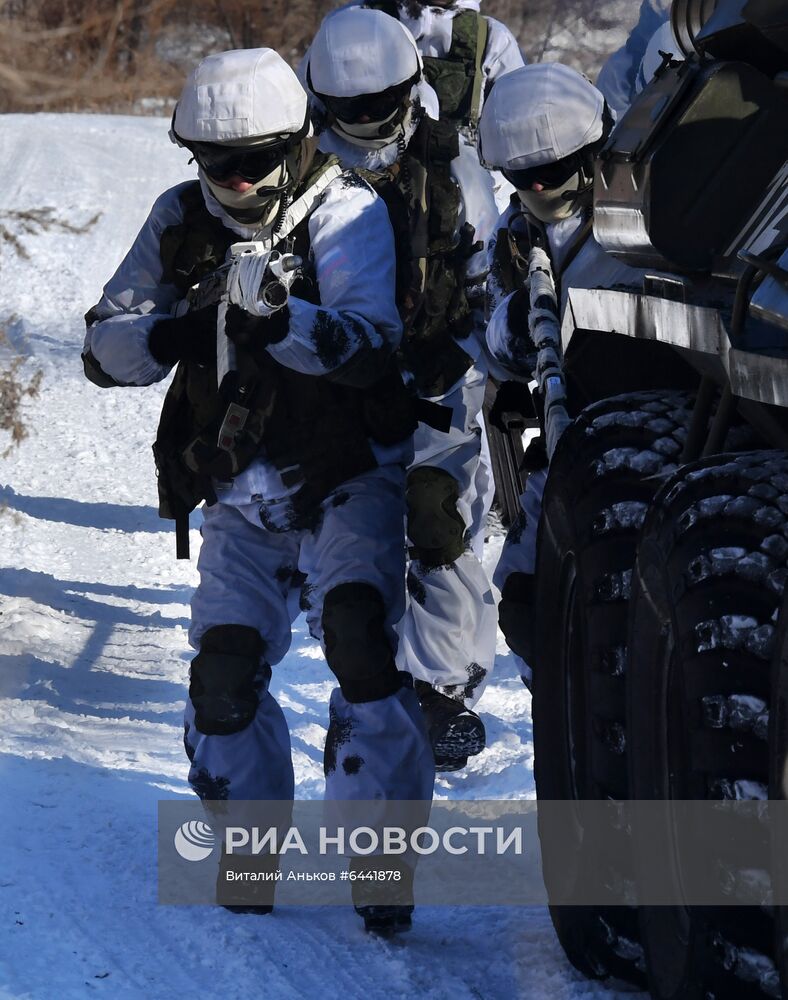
[
  {"x": 710, "y": 571},
  {"x": 778, "y": 785},
  {"x": 601, "y": 481}
]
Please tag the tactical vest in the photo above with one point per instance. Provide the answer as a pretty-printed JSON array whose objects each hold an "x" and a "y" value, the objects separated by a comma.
[
  {"x": 423, "y": 201},
  {"x": 457, "y": 77},
  {"x": 314, "y": 430}
]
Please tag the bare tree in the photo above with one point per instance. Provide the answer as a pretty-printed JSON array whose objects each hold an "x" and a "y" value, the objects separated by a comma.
[{"x": 110, "y": 54}]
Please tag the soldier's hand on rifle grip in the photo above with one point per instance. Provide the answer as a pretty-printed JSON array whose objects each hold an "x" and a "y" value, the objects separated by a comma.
[
  {"x": 191, "y": 337},
  {"x": 255, "y": 333},
  {"x": 517, "y": 315}
]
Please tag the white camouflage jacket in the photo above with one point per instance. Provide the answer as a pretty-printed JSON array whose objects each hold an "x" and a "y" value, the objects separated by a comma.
[{"x": 352, "y": 257}]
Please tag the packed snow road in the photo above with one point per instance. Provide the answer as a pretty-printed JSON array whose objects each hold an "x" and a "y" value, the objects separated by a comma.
[{"x": 93, "y": 618}]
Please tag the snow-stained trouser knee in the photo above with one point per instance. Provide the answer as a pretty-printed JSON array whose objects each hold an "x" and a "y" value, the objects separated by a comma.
[
  {"x": 514, "y": 575},
  {"x": 448, "y": 633},
  {"x": 483, "y": 492},
  {"x": 353, "y": 561}
]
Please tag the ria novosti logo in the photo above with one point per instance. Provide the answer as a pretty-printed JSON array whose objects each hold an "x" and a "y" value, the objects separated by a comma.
[{"x": 194, "y": 841}]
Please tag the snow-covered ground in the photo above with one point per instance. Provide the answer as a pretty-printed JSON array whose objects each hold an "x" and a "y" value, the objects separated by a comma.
[{"x": 93, "y": 662}]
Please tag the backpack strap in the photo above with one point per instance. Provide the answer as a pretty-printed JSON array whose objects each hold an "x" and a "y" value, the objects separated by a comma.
[
  {"x": 312, "y": 189},
  {"x": 482, "y": 30}
]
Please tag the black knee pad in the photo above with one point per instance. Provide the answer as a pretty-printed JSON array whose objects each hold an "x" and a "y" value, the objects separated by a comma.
[
  {"x": 516, "y": 614},
  {"x": 435, "y": 528},
  {"x": 357, "y": 648},
  {"x": 222, "y": 679}
]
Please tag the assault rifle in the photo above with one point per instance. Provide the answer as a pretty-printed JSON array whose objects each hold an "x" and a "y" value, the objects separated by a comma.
[
  {"x": 255, "y": 278},
  {"x": 544, "y": 325},
  {"x": 512, "y": 409}
]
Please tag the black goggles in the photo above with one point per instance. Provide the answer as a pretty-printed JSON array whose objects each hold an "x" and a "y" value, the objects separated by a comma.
[
  {"x": 373, "y": 107},
  {"x": 549, "y": 175},
  {"x": 251, "y": 163}
]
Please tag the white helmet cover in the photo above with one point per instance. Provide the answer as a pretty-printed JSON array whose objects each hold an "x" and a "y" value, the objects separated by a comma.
[
  {"x": 538, "y": 114},
  {"x": 240, "y": 94},
  {"x": 361, "y": 51}
]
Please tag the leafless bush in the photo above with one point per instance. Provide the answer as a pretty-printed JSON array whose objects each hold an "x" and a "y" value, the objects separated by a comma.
[
  {"x": 13, "y": 391},
  {"x": 31, "y": 221},
  {"x": 110, "y": 54}
]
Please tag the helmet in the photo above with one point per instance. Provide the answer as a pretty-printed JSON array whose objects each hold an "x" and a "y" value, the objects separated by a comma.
[
  {"x": 363, "y": 66},
  {"x": 541, "y": 125},
  {"x": 244, "y": 114}
]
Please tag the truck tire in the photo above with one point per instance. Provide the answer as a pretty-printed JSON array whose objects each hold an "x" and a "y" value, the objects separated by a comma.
[
  {"x": 778, "y": 785},
  {"x": 709, "y": 577},
  {"x": 603, "y": 476}
]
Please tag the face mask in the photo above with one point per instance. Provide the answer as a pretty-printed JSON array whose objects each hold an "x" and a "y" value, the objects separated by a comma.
[
  {"x": 259, "y": 204},
  {"x": 554, "y": 204},
  {"x": 376, "y": 135}
]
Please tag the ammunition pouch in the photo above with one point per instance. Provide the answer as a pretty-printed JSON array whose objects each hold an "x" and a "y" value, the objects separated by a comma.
[{"x": 458, "y": 78}]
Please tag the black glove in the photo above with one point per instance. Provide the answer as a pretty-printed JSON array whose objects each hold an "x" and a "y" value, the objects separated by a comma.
[
  {"x": 191, "y": 337},
  {"x": 255, "y": 333},
  {"x": 517, "y": 313}
]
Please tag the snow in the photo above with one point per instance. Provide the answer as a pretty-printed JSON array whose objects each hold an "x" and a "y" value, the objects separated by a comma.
[
  {"x": 93, "y": 616},
  {"x": 625, "y": 516}
]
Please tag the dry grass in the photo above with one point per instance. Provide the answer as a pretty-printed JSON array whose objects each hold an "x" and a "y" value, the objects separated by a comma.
[
  {"x": 13, "y": 392},
  {"x": 59, "y": 55},
  {"x": 31, "y": 221}
]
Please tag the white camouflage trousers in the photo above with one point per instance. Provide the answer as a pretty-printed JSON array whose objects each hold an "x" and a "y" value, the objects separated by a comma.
[
  {"x": 448, "y": 634},
  {"x": 246, "y": 578}
]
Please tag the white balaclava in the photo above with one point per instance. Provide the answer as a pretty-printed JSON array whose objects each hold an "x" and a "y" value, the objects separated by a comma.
[
  {"x": 247, "y": 98},
  {"x": 359, "y": 52},
  {"x": 536, "y": 116},
  {"x": 554, "y": 204},
  {"x": 258, "y": 205}
]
